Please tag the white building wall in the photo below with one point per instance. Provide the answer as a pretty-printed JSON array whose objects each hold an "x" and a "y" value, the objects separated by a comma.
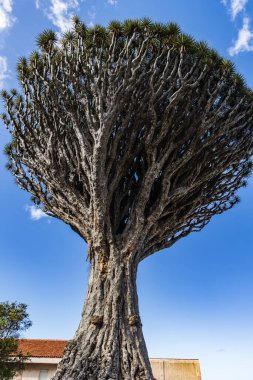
[
  {"x": 32, "y": 371},
  {"x": 163, "y": 369}
]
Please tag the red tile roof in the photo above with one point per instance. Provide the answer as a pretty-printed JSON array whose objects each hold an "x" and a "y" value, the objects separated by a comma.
[
  {"x": 49, "y": 348},
  {"x": 42, "y": 348}
]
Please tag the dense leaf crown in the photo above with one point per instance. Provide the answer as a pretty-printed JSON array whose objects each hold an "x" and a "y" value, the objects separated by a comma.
[
  {"x": 13, "y": 320},
  {"x": 131, "y": 132},
  {"x": 159, "y": 35}
]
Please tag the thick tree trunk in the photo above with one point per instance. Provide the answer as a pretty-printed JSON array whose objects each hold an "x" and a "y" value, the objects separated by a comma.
[{"x": 109, "y": 343}]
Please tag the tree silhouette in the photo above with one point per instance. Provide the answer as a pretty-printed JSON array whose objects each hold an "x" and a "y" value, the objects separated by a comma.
[{"x": 135, "y": 135}]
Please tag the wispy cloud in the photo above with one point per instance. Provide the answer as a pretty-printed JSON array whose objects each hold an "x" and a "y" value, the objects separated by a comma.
[
  {"x": 112, "y": 2},
  {"x": 36, "y": 213},
  {"x": 6, "y": 17},
  {"x": 244, "y": 42},
  {"x": 3, "y": 71},
  {"x": 59, "y": 12},
  {"x": 235, "y": 6},
  {"x": 92, "y": 15},
  {"x": 6, "y": 21}
]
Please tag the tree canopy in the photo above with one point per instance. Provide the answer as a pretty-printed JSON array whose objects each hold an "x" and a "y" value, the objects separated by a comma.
[
  {"x": 135, "y": 135},
  {"x": 134, "y": 126},
  {"x": 13, "y": 320}
]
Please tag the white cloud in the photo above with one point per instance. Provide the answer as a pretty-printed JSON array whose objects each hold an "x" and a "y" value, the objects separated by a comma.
[
  {"x": 36, "y": 213},
  {"x": 6, "y": 17},
  {"x": 37, "y": 3},
  {"x": 112, "y": 2},
  {"x": 60, "y": 13},
  {"x": 3, "y": 70},
  {"x": 235, "y": 6},
  {"x": 244, "y": 40}
]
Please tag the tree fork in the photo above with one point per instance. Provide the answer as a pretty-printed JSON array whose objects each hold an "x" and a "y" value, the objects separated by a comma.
[
  {"x": 135, "y": 135},
  {"x": 109, "y": 343}
]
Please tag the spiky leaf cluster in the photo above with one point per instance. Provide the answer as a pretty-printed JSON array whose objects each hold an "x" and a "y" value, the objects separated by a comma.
[{"x": 134, "y": 134}]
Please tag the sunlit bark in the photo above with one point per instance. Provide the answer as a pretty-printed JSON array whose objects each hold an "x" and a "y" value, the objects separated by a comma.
[{"x": 135, "y": 136}]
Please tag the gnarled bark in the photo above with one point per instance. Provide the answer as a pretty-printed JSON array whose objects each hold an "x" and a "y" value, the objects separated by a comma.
[
  {"x": 109, "y": 343},
  {"x": 135, "y": 135}
]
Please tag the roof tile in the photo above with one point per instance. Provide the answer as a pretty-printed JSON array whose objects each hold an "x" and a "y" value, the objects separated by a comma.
[{"x": 42, "y": 348}]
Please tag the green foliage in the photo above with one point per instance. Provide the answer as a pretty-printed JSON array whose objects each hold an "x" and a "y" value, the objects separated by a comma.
[
  {"x": 228, "y": 66},
  {"x": 159, "y": 36},
  {"x": 76, "y": 20},
  {"x": 13, "y": 92},
  {"x": 146, "y": 23},
  {"x": 23, "y": 68},
  {"x": 131, "y": 26},
  {"x": 80, "y": 29},
  {"x": 8, "y": 147},
  {"x": 4, "y": 94},
  {"x": 172, "y": 29},
  {"x": 168, "y": 79},
  {"x": 5, "y": 119},
  {"x": 215, "y": 57},
  {"x": 68, "y": 38},
  {"x": 186, "y": 42},
  {"x": 158, "y": 30},
  {"x": 46, "y": 40},
  {"x": 34, "y": 58},
  {"x": 97, "y": 36},
  {"x": 239, "y": 80},
  {"x": 248, "y": 93},
  {"x": 115, "y": 27},
  {"x": 13, "y": 319}
]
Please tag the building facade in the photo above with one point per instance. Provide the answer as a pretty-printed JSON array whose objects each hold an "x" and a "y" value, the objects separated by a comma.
[{"x": 46, "y": 354}]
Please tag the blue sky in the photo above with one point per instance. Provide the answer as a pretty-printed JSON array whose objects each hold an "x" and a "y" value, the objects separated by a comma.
[{"x": 195, "y": 298}]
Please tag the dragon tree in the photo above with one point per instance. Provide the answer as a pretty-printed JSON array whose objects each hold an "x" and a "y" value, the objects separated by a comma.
[{"x": 135, "y": 135}]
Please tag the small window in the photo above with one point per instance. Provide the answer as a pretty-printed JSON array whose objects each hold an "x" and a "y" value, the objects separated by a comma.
[{"x": 43, "y": 374}]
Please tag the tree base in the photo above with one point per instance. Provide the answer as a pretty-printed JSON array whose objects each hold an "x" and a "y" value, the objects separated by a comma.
[{"x": 109, "y": 343}]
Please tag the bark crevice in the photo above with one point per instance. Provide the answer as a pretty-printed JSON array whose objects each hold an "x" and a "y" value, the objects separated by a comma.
[
  {"x": 134, "y": 135},
  {"x": 109, "y": 343}
]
